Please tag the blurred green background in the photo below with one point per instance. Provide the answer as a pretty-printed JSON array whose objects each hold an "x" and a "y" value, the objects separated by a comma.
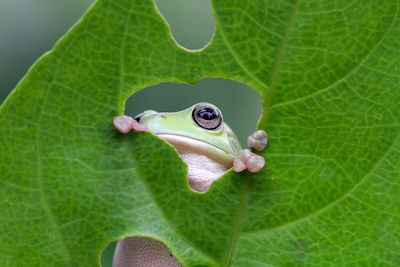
[{"x": 29, "y": 28}]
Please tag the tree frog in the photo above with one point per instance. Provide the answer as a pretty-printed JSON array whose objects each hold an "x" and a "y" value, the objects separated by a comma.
[{"x": 209, "y": 148}]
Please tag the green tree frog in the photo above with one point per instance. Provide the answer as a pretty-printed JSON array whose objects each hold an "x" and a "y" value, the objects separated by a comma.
[{"x": 209, "y": 148}]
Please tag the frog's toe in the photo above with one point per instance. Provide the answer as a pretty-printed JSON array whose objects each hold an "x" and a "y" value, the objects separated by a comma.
[
  {"x": 123, "y": 123},
  {"x": 238, "y": 165},
  {"x": 248, "y": 160},
  {"x": 258, "y": 140},
  {"x": 255, "y": 163}
]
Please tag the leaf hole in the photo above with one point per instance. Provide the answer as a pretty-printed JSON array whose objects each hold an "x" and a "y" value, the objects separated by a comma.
[
  {"x": 144, "y": 251},
  {"x": 191, "y": 22},
  {"x": 239, "y": 104}
]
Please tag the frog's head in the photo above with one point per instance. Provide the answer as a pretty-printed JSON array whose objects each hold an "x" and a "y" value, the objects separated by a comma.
[{"x": 199, "y": 129}]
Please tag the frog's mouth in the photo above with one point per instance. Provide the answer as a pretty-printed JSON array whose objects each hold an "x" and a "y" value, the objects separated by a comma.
[{"x": 185, "y": 145}]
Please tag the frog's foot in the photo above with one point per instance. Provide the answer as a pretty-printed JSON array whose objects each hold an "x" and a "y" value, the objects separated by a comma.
[
  {"x": 258, "y": 140},
  {"x": 125, "y": 124},
  {"x": 248, "y": 160}
]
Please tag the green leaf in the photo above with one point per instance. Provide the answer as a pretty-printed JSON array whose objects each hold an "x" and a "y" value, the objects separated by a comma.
[{"x": 328, "y": 73}]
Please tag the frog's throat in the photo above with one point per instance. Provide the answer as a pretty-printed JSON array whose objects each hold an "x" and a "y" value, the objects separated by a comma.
[{"x": 200, "y": 147}]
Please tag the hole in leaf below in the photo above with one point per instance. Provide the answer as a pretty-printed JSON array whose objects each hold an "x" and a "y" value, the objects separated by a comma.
[
  {"x": 147, "y": 251},
  {"x": 191, "y": 21}
]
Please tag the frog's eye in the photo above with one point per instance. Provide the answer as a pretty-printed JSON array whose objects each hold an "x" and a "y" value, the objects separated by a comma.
[{"x": 207, "y": 116}]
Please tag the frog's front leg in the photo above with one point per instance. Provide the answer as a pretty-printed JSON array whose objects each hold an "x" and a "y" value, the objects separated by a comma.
[
  {"x": 125, "y": 124},
  {"x": 247, "y": 159}
]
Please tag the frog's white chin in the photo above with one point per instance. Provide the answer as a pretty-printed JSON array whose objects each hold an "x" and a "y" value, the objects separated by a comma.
[{"x": 206, "y": 162}]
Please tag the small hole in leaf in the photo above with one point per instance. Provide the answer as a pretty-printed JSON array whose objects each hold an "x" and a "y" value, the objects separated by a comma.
[
  {"x": 142, "y": 250},
  {"x": 191, "y": 21}
]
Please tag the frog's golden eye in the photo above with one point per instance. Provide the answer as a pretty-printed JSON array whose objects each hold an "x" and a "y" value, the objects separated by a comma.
[{"x": 207, "y": 116}]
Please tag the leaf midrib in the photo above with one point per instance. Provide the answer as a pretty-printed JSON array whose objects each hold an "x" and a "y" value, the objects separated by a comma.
[{"x": 266, "y": 109}]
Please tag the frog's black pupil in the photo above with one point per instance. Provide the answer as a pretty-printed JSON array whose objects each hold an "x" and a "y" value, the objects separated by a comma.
[{"x": 207, "y": 114}]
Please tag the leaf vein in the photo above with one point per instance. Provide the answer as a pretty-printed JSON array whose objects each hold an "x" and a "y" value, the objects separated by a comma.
[
  {"x": 347, "y": 194},
  {"x": 40, "y": 174},
  {"x": 236, "y": 57},
  {"x": 346, "y": 76}
]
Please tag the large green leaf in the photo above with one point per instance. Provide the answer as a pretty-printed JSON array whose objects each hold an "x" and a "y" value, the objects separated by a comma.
[{"x": 328, "y": 73}]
